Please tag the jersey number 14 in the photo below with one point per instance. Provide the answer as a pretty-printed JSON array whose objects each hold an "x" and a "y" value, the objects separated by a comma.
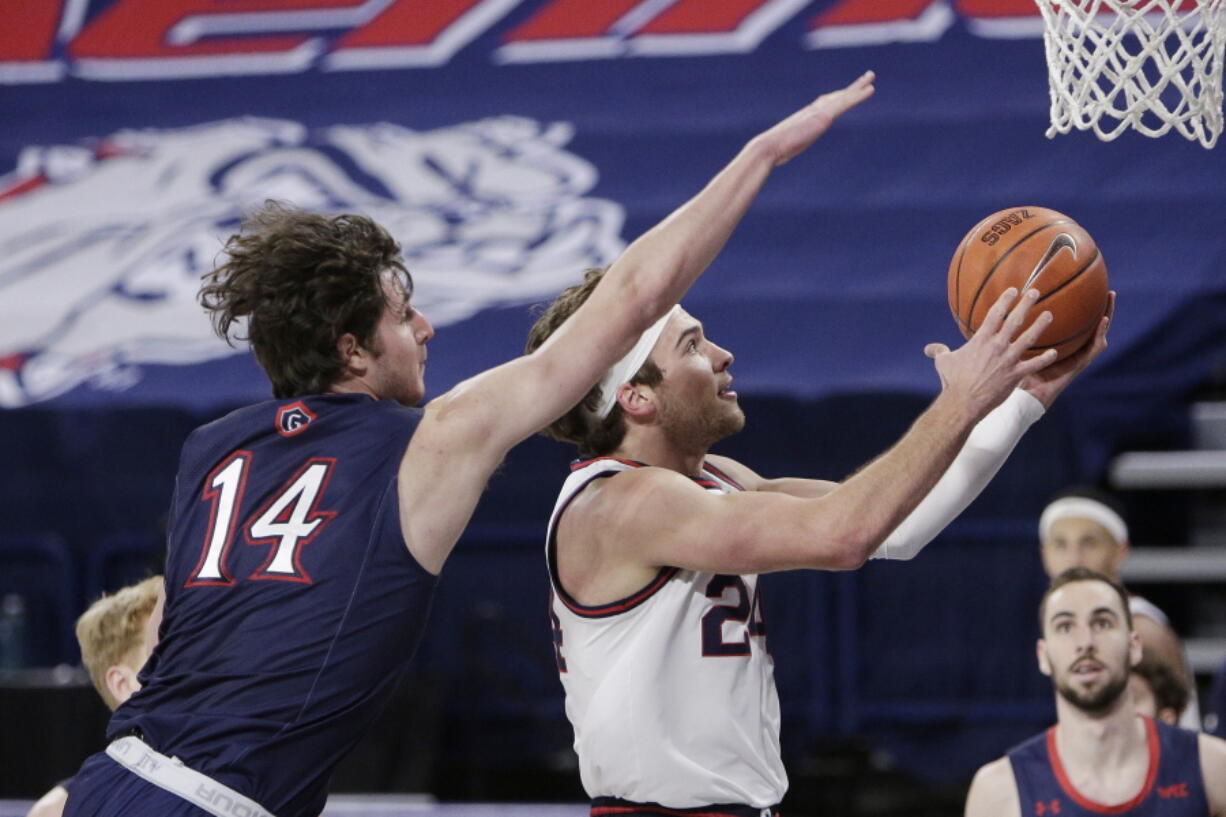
[{"x": 286, "y": 522}]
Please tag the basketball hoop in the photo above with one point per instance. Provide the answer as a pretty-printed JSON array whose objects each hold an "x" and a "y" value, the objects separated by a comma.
[{"x": 1151, "y": 65}]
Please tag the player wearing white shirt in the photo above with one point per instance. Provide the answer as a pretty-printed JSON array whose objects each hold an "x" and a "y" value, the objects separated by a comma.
[
  {"x": 671, "y": 690},
  {"x": 654, "y": 554}
]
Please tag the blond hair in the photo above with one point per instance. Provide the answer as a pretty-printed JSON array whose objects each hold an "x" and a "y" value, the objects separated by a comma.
[{"x": 110, "y": 632}]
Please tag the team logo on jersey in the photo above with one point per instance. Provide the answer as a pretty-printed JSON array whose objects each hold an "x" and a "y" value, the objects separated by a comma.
[
  {"x": 102, "y": 246},
  {"x": 293, "y": 419}
]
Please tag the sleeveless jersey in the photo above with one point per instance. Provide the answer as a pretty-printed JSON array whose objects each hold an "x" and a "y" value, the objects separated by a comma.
[
  {"x": 670, "y": 691},
  {"x": 292, "y": 603},
  {"x": 1173, "y": 787}
]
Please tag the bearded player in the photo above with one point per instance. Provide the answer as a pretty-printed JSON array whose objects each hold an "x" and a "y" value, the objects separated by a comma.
[{"x": 1101, "y": 757}]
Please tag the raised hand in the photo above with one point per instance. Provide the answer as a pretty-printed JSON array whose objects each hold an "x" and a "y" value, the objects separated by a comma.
[
  {"x": 1047, "y": 384},
  {"x": 794, "y": 134},
  {"x": 989, "y": 366}
]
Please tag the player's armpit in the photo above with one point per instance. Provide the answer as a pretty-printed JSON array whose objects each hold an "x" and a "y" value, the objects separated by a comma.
[
  {"x": 1213, "y": 769},
  {"x": 993, "y": 792}
]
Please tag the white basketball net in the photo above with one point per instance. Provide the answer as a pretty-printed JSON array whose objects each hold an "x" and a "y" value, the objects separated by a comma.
[{"x": 1151, "y": 65}]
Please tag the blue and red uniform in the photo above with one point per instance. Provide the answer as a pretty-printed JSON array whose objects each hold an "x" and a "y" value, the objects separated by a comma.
[
  {"x": 292, "y": 610},
  {"x": 1173, "y": 785}
]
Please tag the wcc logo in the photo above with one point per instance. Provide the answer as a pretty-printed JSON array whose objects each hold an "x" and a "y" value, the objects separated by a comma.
[{"x": 102, "y": 246}]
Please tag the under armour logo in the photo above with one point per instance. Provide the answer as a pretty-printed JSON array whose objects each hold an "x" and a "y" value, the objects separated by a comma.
[
  {"x": 1050, "y": 807},
  {"x": 293, "y": 419},
  {"x": 1062, "y": 241},
  {"x": 1179, "y": 790}
]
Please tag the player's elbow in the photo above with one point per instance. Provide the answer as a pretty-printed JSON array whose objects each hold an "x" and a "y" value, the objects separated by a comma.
[{"x": 844, "y": 550}]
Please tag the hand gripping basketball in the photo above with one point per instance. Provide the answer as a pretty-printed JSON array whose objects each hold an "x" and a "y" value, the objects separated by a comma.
[{"x": 990, "y": 365}]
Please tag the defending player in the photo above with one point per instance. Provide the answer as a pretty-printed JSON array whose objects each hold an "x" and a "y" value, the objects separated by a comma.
[
  {"x": 306, "y": 532},
  {"x": 654, "y": 547},
  {"x": 1083, "y": 527},
  {"x": 1101, "y": 757},
  {"x": 116, "y": 635}
]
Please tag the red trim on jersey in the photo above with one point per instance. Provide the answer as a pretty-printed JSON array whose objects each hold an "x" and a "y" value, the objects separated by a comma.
[
  {"x": 622, "y": 605},
  {"x": 313, "y": 515},
  {"x": 1151, "y": 737},
  {"x": 598, "y": 811},
  {"x": 213, "y": 497},
  {"x": 612, "y": 608},
  {"x": 577, "y": 464},
  {"x": 24, "y": 186},
  {"x": 708, "y": 466}
]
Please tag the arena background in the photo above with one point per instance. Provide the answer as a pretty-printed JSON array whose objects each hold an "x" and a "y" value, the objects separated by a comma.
[{"x": 509, "y": 144}]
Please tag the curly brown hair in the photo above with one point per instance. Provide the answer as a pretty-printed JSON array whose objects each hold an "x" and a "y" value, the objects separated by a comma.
[
  {"x": 302, "y": 280},
  {"x": 595, "y": 438}
]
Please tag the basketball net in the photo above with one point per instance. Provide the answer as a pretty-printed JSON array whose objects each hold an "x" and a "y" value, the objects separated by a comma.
[{"x": 1150, "y": 65}]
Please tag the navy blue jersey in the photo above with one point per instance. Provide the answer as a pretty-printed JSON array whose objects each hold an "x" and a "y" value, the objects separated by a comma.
[
  {"x": 293, "y": 606},
  {"x": 1174, "y": 786}
]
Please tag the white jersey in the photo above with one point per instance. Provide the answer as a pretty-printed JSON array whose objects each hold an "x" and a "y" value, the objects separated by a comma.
[{"x": 670, "y": 690}]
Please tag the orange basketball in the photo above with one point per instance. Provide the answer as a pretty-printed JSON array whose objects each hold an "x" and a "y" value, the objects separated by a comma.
[{"x": 1041, "y": 248}]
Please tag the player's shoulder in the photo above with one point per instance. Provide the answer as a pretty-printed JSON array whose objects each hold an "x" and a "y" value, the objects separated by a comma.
[
  {"x": 299, "y": 419},
  {"x": 1212, "y": 751},
  {"x": 608, "y": 486},
  {"x": 993, "y": 791}
]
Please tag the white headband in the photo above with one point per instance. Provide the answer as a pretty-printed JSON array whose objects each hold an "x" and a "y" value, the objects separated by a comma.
[
  {"x": 1079, "y": 507},
  {"x": 626, "y": 368}
]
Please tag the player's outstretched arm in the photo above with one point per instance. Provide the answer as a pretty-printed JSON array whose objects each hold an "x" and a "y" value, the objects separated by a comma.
[
  {"x": 993, "y": 792},
  {"x": 661, "y": 518},
  {"x": 989, "y": 445},
  {"x": 466, "y": 432},
  {"x": 985, "y": 451}
]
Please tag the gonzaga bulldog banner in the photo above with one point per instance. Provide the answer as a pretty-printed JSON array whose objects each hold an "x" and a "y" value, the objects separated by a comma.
[{"x": 509, "y": 144}]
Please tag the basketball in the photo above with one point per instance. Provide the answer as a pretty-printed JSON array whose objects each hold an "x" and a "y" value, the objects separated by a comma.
[{"x": 1031, "y": 247}]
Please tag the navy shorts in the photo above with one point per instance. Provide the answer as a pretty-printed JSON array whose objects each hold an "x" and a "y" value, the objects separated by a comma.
[{"x": 103, "y": 788}]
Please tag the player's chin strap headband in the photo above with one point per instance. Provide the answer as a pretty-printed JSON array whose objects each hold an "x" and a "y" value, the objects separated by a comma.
[
  {"x": 1079, "y": 507},
  {"x": 626, "y": 368}
]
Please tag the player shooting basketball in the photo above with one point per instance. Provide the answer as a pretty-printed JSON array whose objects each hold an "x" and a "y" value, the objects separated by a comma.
[
  {"x": 278, "y": 650},
  {"x": 1102, "y": 757},
  {"x": 655, "y": 547}
]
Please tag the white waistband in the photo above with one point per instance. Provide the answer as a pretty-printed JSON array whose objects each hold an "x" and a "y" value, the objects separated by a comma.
[{"x": 170, "y": 774}]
